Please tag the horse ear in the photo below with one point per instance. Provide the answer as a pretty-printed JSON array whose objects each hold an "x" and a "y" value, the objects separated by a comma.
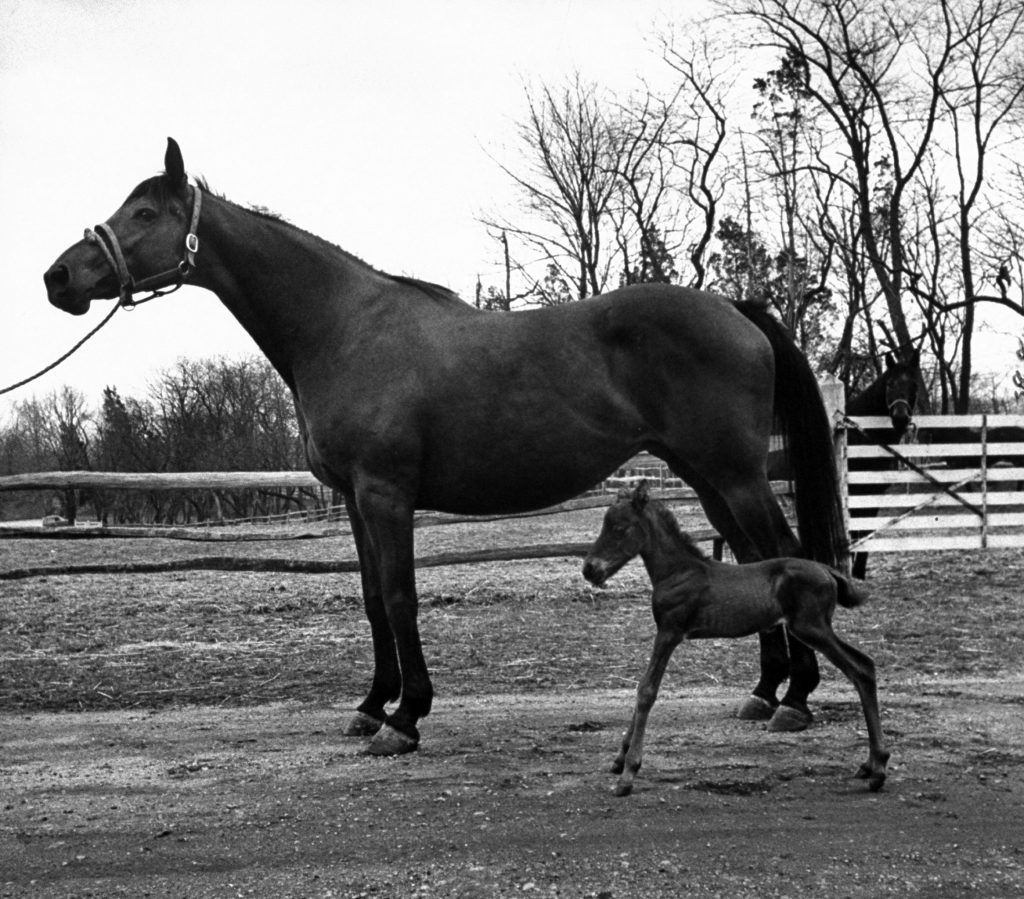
[
  {"x": 915, "y": 357},
  {"x": 889, "y": 361},
  {"x": 640, "y": 495},
  {"x": 174, "y": 165}
]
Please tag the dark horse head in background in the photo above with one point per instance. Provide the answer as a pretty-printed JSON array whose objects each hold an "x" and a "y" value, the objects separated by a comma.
[{"x": 893, "y": 393}]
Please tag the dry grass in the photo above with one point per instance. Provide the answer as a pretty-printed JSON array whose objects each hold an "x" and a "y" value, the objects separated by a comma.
[{"x": 115, "y": 641}]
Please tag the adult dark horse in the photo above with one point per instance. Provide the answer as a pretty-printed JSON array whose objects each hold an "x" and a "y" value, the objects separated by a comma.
[
  {"x": 409, "y": 398},
  {"x": 892, "y": 394}
]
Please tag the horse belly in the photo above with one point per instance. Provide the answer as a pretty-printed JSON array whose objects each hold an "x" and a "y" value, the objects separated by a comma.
[{"x": 480, "y": 484}]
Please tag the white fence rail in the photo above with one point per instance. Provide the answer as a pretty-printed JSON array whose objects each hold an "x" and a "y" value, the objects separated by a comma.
[{"x": 958, "y": 485}]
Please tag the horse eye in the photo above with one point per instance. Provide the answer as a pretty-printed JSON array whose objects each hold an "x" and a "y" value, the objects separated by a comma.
[{"x": 145, "y": 214}]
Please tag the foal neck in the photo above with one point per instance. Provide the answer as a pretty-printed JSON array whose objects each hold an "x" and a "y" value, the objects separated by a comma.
[{"x": 667, "y": 550}]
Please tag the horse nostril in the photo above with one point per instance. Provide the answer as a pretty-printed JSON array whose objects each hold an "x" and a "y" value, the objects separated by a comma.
[{"x": 57, "y": 278}]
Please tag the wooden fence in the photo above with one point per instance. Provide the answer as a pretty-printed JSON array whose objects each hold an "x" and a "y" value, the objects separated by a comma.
[
  {"x": 939, "y": 492},
  {"x": 956, "y": 485}
]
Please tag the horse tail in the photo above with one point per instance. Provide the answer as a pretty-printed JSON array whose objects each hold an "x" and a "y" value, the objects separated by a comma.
[
  {"x": 848, "y": 594},
  {"x": 807, "y": 434}
]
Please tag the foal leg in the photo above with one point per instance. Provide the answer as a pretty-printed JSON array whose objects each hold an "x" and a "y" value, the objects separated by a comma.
[
  {"x": 860, "y": 669},
  {"x": 630, "y": 756},
  {"x": 387, "y": 678}
]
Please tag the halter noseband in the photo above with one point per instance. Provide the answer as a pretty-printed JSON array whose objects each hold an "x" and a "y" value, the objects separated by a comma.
[{"x": 161, "y": 283}]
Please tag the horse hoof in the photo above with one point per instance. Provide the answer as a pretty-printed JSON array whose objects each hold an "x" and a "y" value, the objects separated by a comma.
[
  {"x": 623, "y": 789},
  {"x": 363, "y": 725},
  {"x": 874, "y": 776},
  {"x": 388, "y": 741},
  {"x": 789, "y": 720},
  {"x": 754, "y": 708}
]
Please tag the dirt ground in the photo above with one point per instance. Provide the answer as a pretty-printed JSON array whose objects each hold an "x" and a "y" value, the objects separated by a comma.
[{"x": 179, "y": 735}]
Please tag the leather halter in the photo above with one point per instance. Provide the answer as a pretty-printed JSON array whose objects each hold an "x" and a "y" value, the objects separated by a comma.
[{"x": 161, "y": 283}]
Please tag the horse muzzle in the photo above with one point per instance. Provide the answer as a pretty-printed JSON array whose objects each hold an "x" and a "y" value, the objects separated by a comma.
[
  {"x": 59, "y": 292},
  {"x": 73, "y": 282},
  {"x": 596, "y": 571}
]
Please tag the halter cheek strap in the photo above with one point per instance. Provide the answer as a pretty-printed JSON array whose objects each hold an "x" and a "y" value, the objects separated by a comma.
[{"x": 161, "y": 283}]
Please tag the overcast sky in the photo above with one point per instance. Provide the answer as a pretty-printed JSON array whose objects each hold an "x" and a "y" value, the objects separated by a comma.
[{"x": 375, "y": 125}]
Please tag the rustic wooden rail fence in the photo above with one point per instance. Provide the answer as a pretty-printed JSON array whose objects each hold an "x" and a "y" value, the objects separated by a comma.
[
  {"x": 960, "y": 485},
  {"x": 667, "y": 486}
]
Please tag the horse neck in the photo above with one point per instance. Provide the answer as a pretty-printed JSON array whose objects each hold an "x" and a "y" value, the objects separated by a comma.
[
  {"x": 870, "y": 401},
  {"x": 296, "y": 294},
  {"x": 666, "y": 551}
]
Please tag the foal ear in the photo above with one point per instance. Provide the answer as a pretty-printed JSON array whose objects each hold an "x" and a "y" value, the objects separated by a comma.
[
  {"x": 174, "y": 165},
  {"x": 640, "y": 496}
]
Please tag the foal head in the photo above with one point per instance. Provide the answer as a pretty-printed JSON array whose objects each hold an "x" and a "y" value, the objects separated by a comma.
[{"x": 623, "y": 535}]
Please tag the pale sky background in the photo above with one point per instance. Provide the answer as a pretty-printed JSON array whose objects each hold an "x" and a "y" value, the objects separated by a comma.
[{"x": 375, "y": 125}]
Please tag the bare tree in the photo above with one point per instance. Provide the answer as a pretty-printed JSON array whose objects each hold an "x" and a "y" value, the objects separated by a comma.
[
  {"x": 646, "y": 213},
  {"x": 705, "y": 173},
  {"x": 896, "y": 82},
  {"x": 567, "y": 185}
]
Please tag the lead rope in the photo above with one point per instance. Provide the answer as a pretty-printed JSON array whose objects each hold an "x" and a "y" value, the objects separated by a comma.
[{"x": 67, "y": 355}]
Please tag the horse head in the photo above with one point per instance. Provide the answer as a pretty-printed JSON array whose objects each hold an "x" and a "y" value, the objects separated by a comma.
[
  {"x": 148, "y": 244},
  {"x": 901, "y": 379}
]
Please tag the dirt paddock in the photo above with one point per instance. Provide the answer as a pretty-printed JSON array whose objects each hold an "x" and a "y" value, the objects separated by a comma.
[{"x": 178, "y": 735}]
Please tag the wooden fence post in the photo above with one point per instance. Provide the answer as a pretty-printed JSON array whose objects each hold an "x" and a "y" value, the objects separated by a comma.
[{"x": 834, "y": 395}]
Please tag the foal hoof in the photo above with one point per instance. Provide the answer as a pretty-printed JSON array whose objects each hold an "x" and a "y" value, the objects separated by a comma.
[
  {"x": 754, "y": 708},
  {"x": 363, "y": 725},
  {"x": 388, "y": 741},
  {"x": 873, "y": 774},
  {"x": 789, "y": 720}
]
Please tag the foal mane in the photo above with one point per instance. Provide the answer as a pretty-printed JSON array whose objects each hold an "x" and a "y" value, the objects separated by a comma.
[
  {"x": 159, "y": 187},
  {"x": 670, "y": 524}
]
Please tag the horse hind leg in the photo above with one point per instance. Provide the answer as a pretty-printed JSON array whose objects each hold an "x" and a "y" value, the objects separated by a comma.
[
  {"x": 860, "y": 670},
  {"x": 627, "y": 762},
  {"x": 754, "y": 526}
]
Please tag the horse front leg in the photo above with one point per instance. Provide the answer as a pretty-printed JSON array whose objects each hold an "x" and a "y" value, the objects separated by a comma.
[
  {"x": 386, "y": 685},
  {"x": 631, "y": 752},
  {"x": 388, "y": 518}
]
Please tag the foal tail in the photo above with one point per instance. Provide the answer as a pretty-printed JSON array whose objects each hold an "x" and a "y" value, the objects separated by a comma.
[
  {"x": 807, "y": 434},
  {"x": 848, "y": 593}
]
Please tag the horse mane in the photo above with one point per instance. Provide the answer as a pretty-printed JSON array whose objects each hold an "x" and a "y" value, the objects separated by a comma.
[
  {"x": 670, "y": 524},
  {"x": 159, "y": 186}
]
